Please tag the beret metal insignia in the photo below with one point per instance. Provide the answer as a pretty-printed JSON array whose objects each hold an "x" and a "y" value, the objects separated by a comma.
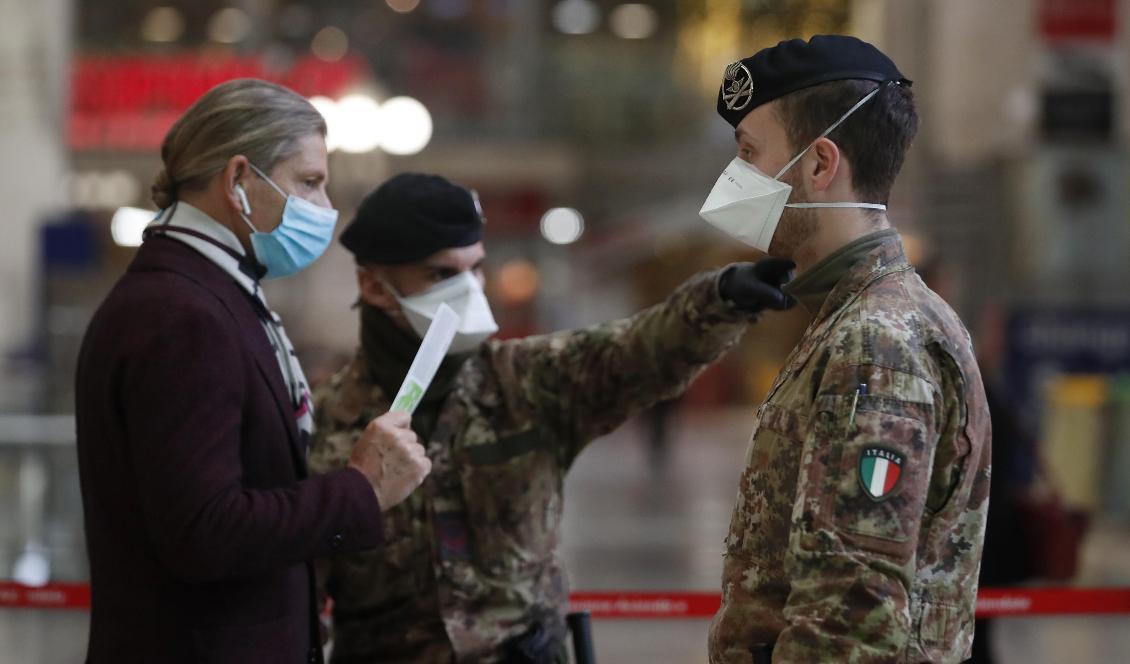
[
  {"x": 737, "y": 89},
  {"x": 478, "y": 207}
]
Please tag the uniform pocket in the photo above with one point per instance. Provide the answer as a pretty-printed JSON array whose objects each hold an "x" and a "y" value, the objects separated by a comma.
[
  {"x": 374, "y": 580},
  {"x": 512, "y": 490},
  {"x": 945, "y": 633},
  {"x": 762, "y": 513},
  {"x": 880, "y": 487}
]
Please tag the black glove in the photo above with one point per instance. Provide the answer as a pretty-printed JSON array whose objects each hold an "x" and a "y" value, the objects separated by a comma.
[{"x": 752, "y": 287}]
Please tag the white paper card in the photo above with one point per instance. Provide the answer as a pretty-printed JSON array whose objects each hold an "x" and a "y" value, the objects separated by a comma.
[{"x": 432, "y": 351}]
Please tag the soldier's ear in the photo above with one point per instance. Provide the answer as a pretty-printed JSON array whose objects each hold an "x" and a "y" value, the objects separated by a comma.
[{"x": 372, "y": 284}]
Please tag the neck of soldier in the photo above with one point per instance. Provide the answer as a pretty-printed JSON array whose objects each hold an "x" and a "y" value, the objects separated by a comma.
[{"x": 835, "y": 228}]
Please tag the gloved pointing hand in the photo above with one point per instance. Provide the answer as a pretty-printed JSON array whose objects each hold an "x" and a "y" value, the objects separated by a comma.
[{"x": 753, "y": 287}]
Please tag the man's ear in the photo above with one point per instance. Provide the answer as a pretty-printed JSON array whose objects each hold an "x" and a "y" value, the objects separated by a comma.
[
  {"x": 824, "y": 161},
  {"x": 371, "y": 284},
  {"x": 234, "y": 173}
]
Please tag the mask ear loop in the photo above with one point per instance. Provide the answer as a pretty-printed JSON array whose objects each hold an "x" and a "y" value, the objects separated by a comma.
[
  {"x": 268, "y": 180},
  {"x": 829, "y": 130},
  {"x": 246, "y": 215}
]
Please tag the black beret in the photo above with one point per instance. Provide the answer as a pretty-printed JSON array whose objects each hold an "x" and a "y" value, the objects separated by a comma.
[
  {"x": 411, "y": 217},
  {"x": 796, "y": 64}
]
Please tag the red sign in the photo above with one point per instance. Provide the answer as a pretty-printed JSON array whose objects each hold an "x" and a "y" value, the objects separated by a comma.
[
  {"x": 991, "y": 602},
  {"x": 995, "y": 602},
  {"x": 1088, "y": 20},
  {"x": 53, "y": 596},
  {"x": 1052, "y": 601},
  {"x": 129, "y": 103},
  {"x": 646, "y": 605}
]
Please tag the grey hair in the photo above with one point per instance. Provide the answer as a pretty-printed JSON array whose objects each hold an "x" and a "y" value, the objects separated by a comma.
[{"x": 259, "y": 120}]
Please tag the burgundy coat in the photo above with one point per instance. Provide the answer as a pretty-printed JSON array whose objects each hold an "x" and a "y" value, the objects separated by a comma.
[{"x": 201, "y": 521}]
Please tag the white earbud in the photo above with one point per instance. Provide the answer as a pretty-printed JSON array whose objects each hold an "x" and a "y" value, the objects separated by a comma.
[{"x": 242, "y": 196}]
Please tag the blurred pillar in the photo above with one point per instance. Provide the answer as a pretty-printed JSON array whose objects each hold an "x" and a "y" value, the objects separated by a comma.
[
  {"x": 975, "y": 66},
  {"x": 35, "y": 41},
  {"x": 520, "y": 88},
  {"x": 983, "y": 59},
  {"x": 1122, "y": 43}
]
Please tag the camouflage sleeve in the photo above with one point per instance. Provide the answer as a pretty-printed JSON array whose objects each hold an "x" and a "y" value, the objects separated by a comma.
[
  {"x": 343, "y": 407},
  {"x": 331, "y": 443},
  {"x": 339, "y": 418},
  {"x": 584, "y": 383},
  {"x": 865, "y": 475}
]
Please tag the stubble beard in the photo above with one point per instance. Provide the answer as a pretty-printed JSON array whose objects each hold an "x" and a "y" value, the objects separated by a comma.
[{"x": 797, "y": 225}]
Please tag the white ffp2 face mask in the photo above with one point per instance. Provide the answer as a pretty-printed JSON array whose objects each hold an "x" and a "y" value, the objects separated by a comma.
[
  {"x": 747, "y": 204},
  {"x": 464, "y": 294}
]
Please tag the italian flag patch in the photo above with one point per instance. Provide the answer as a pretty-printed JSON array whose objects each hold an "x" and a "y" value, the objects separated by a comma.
[{"x": 879, "y": 471}]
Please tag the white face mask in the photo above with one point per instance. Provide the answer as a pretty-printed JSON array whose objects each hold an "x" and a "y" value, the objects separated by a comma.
[
  {"x": 747, "y": 204},
  {"x": 464, "y": 294}
]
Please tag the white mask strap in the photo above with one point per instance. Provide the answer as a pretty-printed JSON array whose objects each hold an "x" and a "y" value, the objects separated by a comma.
[
  {"x": 829, "y": 130},
  {"x": 268, "y": 180},
  {"x": 247, "y": 220},
  {"x": 388, "y": 285},
  {"x": 870, "y": 206}
]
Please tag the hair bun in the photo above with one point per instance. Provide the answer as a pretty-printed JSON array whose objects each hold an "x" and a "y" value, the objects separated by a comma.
[{"x": 163, "y": 190}]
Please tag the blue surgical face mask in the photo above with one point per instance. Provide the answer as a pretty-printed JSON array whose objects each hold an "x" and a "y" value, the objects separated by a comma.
[{"x": 302, "y": 236}]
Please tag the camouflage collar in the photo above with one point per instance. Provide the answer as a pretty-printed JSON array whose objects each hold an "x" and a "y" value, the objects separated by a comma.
[
  {"x": 885, "y": 259},
  {"x": 814, "y": 286}
]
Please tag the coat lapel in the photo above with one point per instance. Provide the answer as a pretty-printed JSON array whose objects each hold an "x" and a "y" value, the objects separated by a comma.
[{"x": 166, "y": 254}]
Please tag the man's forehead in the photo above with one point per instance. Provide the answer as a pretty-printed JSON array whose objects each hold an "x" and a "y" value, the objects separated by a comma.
[
  {"x": 760, "y": 125},
  {"x": 456, "y": 256}
]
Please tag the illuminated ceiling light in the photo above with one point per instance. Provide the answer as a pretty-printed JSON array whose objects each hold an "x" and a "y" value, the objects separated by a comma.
[
  {"x": 229, "y": 26},
  {"x": 407, "y": 126},
  {"x": 32, "y": 568},
  {"x": 403, "y": 6},
  {"x": 360, "y": 125},
  {"x": 162, "y": 24},
  {"x": 128, "y": 225},
  {"x": 330, "y": 44},
  {"x": 328, "y": 108},
  {"x": 562, "y": 225},
  {"x": 633, "y": 21},
  {"x": 576, "y": 17},
  {"x": 448, "y": 9}
]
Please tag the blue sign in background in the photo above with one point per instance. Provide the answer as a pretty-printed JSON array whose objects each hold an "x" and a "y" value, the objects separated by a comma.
[{"x": 1046, "y": 342}]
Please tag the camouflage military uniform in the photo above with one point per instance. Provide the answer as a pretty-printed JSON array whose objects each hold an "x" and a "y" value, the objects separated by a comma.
[
  {"x": 469, "y": 559},
  {"x": 820, "y": 560}
]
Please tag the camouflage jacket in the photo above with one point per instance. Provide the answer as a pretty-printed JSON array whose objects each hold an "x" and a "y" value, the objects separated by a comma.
[
  {"x": 469, "y": 559},
  {"x": 860, "y": 516}
]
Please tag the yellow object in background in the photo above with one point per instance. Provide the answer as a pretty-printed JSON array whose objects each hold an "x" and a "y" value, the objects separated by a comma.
[{"x": 1074, "y": 427}]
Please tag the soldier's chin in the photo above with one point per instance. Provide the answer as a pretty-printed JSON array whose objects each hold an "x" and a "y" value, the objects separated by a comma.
[
  {"x": 782, "y": 244},
  {"x": 793, "y": 229}
]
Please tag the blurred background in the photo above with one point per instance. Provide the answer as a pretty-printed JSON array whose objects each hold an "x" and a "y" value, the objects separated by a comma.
[{"x": 588, "y": 129}]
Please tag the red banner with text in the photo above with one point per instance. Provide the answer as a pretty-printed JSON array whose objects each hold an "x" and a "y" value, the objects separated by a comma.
[{"x": 991, "y": 602}]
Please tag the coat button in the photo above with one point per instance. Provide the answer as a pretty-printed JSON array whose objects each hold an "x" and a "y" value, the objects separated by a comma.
[
  {"x": 313, "y": 657},
  {"x": 336, "y": 541}
]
